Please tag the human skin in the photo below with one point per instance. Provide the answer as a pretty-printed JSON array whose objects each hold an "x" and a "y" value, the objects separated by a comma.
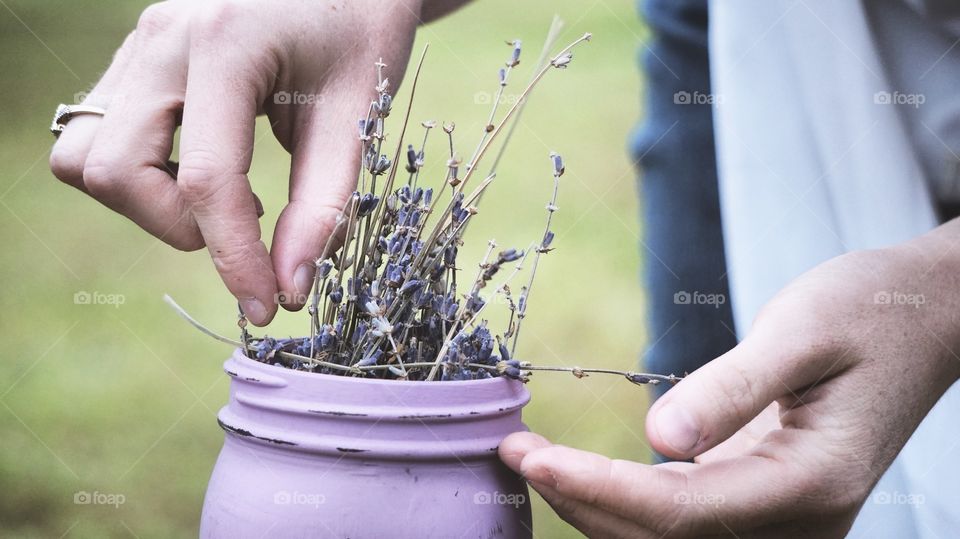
[
  {"x": 215, "y": 66},
  {"x": 851, "y": 379},
  {"x": 793, "y": 427}
]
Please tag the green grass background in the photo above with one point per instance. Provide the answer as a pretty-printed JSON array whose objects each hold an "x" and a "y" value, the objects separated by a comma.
[{"x": 123, "y": 399}]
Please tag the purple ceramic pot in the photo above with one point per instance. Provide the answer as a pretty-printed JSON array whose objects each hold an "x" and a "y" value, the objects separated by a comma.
[{"x": 313, "y": 455}]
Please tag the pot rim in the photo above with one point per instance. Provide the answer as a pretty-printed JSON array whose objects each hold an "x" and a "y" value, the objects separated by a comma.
[{"x": 242, "y": 358}]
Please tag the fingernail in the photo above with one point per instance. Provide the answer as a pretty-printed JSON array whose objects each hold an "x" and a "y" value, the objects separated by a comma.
[
  {"x": 677, "y": 428},
  {"x": 258, "y": 205},
  {"x": 303, "y": 281},
  {"x": 541, "y": 475},
  {"x": 254, "y": 310}
]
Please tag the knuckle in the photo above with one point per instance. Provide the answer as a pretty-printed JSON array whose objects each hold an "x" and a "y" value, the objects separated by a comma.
[
  {"x": 101, "y": 178},
  {"x": 736, "y": 392},
  {"x": 197, "y": 175},
  {"x": 66, "y": 164},
  {"x": 233, "y": 260},
  {"x": 216, "y": 20},
  {"x": 156, "y": 19}
]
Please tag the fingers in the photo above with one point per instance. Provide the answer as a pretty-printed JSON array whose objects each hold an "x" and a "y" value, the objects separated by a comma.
[
  {"x": 714, "y": 402},
  {"x": 591, "y": 520},
  {"x": 69, "y": 154},
  {"x": 694, "y": 499},
  {"x": 611, "y": 485},
  {"x": 127, "y": 168},
  {"x": 326, "y": 160},
  {"x": 223, "y": 93},
  {"x": 516, "y": 446}
]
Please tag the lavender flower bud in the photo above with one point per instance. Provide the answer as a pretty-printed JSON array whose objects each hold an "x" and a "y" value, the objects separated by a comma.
[
  {"x": 367, "y": 204},
  {"x": 547, "y": 240},
  {"x": 504, "y": 351},
  {"x": 509, "y": 255},
  {"x": 365, "y": 128},
  {"x": 323, "y": 268},
  {"x": 474, "y": 303},
  {"x": 380, "y": 166},
  {"x": 385, "y": 104},
  {"x": 508, "y": 369},
  {"x": 359, "y": 333},
  {"x": 562, "y": 61},
  {"x": 503, "y": 77},
  {"x": 515, "y": 56},
  {"x": 450, "y": 255},
  {"x": 557, "y": 164},
  {"x": 336, "y": 296},
  {"x": 372, "y": 308},
  {"x": 411, "y": 159},
  {"x": 371, "y": 359},
  {"x": 410, "y": 287}
]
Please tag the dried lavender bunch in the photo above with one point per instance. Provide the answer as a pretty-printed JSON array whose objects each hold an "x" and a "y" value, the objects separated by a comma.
[{"x": 388, "y": 302}]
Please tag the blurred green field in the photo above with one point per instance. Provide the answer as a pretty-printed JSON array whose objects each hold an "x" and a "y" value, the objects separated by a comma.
[{"x": 123, "y": 399}]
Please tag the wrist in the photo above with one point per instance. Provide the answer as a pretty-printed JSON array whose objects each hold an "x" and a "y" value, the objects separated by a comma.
[{"x": 933, "y": 272}]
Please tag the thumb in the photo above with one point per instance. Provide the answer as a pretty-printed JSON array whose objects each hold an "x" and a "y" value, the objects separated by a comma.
[
  {"x": 718, "y": 399},
  {"x": 323, "y": 174}
]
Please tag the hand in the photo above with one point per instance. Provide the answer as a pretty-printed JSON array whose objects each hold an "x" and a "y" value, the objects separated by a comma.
[
  {"x": 307, "y": 64},
  {"x": 853, "y": 355}
]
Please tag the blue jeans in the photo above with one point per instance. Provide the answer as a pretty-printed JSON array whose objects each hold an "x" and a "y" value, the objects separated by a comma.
[{"x": 690, "y": 319}]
